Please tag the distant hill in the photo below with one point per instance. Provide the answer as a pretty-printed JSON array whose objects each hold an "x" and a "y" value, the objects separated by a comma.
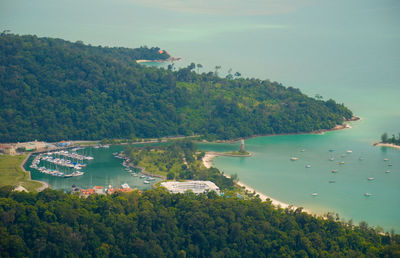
[{"x": 51, "y": 89}]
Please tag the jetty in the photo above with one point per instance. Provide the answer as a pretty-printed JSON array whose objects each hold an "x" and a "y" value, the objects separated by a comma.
[{"x": 50, "y": 157}]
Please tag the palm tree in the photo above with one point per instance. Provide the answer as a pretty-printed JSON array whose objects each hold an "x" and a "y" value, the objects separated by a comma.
[
  {"x": 198, "y": 68},
  {"x": 216, "y": 69}
]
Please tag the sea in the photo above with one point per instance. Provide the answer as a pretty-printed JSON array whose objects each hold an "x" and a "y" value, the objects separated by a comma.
[{"x": 345, "y": 50}]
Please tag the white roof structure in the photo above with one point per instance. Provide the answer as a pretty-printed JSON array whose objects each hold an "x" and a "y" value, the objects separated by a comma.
[{"x": 196, "y": 187}]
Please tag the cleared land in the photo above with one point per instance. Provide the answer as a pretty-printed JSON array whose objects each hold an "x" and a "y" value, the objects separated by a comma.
[{"x": 11, "y": 173}]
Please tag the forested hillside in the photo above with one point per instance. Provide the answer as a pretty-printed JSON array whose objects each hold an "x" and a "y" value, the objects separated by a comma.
[
  {"x": 159, "y": 224},
  {"x": 51, "y": 89}
]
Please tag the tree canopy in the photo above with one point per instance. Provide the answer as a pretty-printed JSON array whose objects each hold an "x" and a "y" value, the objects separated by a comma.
[
  {"x": 393, "y": 140},
  {"x": 159, "y": 224},
  {"x": 51, "y": 89}
]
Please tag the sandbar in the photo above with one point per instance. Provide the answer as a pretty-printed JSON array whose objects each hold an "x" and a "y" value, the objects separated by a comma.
[{"x": 389, "y": 145}]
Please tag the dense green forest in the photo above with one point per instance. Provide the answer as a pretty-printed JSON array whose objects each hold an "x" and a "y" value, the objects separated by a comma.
[
  {"x": 393, "y": 140},
  {"x": 159, "y": 224},
  {"x": 177, "y": 160},
  {"x": 51, "y": 89}
]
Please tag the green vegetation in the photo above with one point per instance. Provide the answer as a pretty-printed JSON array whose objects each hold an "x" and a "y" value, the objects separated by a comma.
[
  {"x": 52, "y": 89},
  {"x": 393, "y": 140},
  {"x": 238, "y": 153},
  {"x": 11, "y": 173},
  {"x": 176, "y": 160},
  {"x": 159, "y": 224}
]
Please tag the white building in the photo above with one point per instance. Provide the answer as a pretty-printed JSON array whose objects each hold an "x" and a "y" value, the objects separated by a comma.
[{"x": 196, "y": 187}]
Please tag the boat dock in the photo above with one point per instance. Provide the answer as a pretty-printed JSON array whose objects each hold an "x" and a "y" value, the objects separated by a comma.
[{"x": 51, "y": 158}]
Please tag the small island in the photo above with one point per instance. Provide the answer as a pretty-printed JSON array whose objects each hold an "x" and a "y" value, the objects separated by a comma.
[
  {"x": 210, "y": 155},
  {"x": 241, "y": 153},
  {"x": 392, "y": 142}
]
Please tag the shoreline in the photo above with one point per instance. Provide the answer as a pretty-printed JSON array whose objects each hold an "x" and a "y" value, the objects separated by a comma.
[
  {"x": 388, "y": 145},
  {"x": 207, "y": 161},
  {"x": 144, "y": 172},
  {"x": 320, "y": 132},
  {"x": 170, "y": 59},
  {"x": 209, "y": 156},
  {"x": 44, "y": 184}
]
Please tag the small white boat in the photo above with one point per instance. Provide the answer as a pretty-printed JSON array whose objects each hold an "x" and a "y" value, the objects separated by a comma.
[
  {"x": 314, "y": 194},
  {"x": 385, "y": 159},
  {"x": 294, "y": 158},
  {"x": 331, "y": 158},
  {"x": 308, "y": 166},
  {"x": 371, "y": 178},
  {"x": 146, "y": 182},
  {"x": 334, "y": 171},
  {"x": 349, "y": 151},
  {"x": 125, "y": 186},
  {"x": 387, "y": 171},
  {"x": 367, "y": 194},
  {"x": 303, "y": 150},
  {"x": 142, "y": 176}
]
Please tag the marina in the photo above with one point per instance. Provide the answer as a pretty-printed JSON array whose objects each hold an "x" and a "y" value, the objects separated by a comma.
[
  {"x": 103, "y": 169},
  {"x": 51, "y": 163}
]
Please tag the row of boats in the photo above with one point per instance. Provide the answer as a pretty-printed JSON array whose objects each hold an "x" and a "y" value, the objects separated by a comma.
[
  {"x": 54, "y": 172},
  {"x": 125, "y": 163},
  {"x": 72, "y": 155},
  {"x": 147, "y": 179},
  {"x": 102, "y": 146},
  {"x": 62, "y": 164}
]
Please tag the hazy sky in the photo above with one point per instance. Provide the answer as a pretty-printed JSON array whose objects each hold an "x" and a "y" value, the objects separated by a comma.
[{"x": 227, "y": 7}]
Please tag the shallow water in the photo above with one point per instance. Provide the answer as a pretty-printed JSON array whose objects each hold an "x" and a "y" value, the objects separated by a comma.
[{"x": 271, "y": 171}]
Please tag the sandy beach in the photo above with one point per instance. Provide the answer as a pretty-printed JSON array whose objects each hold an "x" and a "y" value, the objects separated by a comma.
[
  {"x": 207, "y": 161},
  {"x": 389, "y": 145},
  {"x": 44, "y": 185}
]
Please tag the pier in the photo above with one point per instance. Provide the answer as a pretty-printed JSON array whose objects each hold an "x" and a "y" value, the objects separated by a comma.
[{"x": 48, "y": 157}]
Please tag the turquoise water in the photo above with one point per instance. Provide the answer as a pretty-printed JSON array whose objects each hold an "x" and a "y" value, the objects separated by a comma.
[
  {"x": 271, "y": 171},
  {"x": 103, "y": 170},
  {"x": 345, "y": 50}
]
